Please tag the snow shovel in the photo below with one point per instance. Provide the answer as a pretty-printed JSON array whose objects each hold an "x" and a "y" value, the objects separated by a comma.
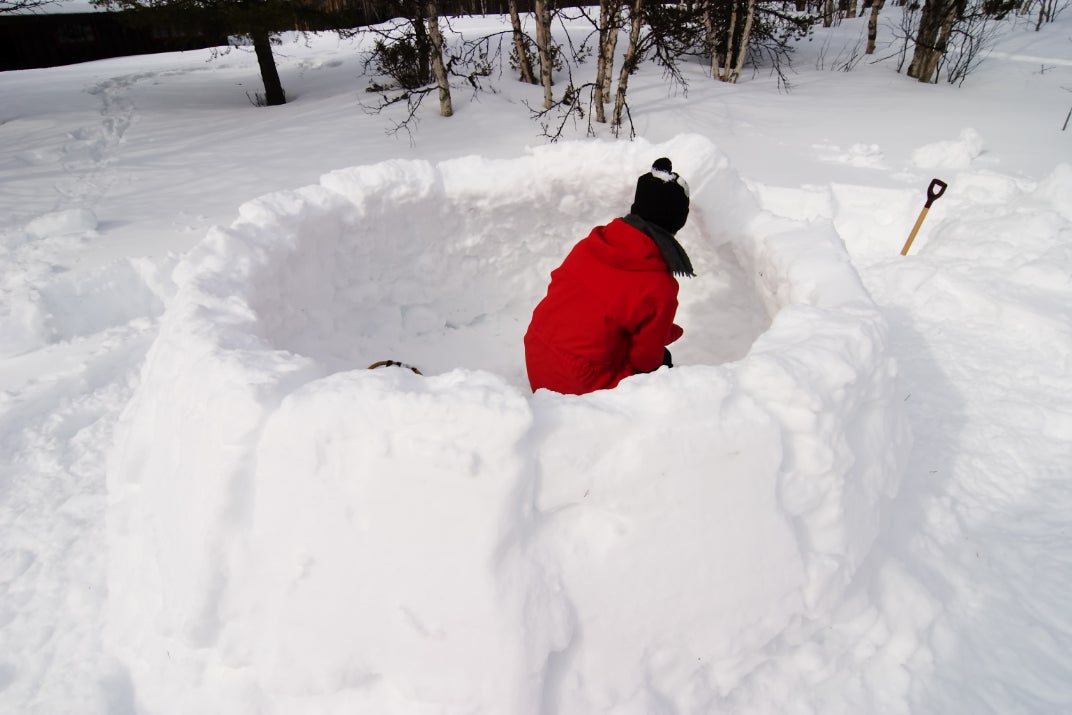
[{"x": 934, "y": 191}]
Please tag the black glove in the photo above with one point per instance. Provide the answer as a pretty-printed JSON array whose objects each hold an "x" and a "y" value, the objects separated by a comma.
[{"x": 666, "y": 358}]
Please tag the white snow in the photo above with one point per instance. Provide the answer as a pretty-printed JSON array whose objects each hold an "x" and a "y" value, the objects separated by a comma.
[
  {"x": 849, "y": 496},
  {"x": 62, "y": 223},
  {"x": 951, "y": 154}
]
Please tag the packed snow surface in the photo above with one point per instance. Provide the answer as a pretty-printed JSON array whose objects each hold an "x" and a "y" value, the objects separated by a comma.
[{"x": 850, "y": 495}]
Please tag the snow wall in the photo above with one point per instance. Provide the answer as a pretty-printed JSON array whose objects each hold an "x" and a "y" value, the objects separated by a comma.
[{"x": 292, "y": 533}]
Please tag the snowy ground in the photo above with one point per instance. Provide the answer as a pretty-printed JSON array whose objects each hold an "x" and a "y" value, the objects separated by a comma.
[{"x": 851, "y": 495}]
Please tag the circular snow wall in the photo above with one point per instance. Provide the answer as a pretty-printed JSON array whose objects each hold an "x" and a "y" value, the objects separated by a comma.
[
  {"x": 290, "y": 532},
  {"x": 441, "y": 266}
]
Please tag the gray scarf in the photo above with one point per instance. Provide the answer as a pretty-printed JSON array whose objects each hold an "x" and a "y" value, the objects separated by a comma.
[{"x": 676, "y": 259}]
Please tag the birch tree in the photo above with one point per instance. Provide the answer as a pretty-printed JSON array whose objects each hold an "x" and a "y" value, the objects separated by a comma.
[
  {"x": 412, "y": 53},
  {"x": 666, "y": 32},
  {"x": 742, "y": 42},
  {"x": 935, "y": 26},
  {"x": 872, "y": 25},
  {"x": 1048, "y": 11},
  {"x": 439, "y": 71},
  {"x": 630, "y": 62},
  {"x": 610, "y": 24},
  {"x": 542, "y": 12},
  {"x": 521, "y": 48},
  {"x": 734, "y": 28}
]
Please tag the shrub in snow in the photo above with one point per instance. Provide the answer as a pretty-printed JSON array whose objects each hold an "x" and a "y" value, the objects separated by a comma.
[{"x": 290, "y": 532}]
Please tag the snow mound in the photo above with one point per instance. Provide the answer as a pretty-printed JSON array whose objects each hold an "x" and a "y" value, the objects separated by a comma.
[
  {"x": 63, "y": 223},
  {"x": 40, "y": 308},
  {"x": 957, "y": 153},
  {"x": 1057, "y": 187},
  {"x": 865, "y": 156},
  {"x": 292, "y": 533}
]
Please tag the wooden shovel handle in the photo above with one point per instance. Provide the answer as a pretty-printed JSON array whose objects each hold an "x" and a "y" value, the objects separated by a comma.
[{"x": 934, "y": 192}]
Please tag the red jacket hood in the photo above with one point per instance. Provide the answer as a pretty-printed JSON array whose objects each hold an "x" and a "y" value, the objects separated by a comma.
[{"x": 626, "y": 248}]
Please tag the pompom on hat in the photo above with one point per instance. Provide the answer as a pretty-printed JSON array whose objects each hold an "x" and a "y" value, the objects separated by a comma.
[{"x": 662, "y": 197}]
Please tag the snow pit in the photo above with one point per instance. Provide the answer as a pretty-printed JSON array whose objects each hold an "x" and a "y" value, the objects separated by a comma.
[{"x": 292, "y": 533}]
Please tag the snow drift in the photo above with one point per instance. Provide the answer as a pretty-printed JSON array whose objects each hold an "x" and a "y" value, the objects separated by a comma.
[{"x": 290, "y": 532}]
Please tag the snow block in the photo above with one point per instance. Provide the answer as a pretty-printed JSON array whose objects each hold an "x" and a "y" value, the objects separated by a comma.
[{"x": 292, "y": 533}]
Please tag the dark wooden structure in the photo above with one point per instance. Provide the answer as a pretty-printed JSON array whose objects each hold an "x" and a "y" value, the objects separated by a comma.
[
  {"x": 50, "y": 39},
  {"x": 47, "y": 40}
]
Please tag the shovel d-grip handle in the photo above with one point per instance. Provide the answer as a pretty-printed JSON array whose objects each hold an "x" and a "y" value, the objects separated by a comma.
[{"x": 934, "y": 192}]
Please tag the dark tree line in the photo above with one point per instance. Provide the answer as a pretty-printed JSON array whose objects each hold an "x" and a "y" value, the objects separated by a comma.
[
  {"x": 258, "y": 20},
  {"x": 23, "y": 5}
]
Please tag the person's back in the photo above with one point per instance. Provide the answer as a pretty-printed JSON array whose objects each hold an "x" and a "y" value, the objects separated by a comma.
[{"x": 609, "y": 309}]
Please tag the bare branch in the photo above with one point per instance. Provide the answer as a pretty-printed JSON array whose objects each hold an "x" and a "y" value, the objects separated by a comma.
[{"x": 27, "y": 6}]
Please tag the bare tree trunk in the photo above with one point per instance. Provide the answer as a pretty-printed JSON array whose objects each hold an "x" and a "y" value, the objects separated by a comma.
[
  {"x": 828, "y": 13},
  {"x": 273, "y": 88},
  {"x": 629, "y": 62},
  {"x": 435, "y": 35},
  {"x": 955, "y": 12},
  {"x": 872, "y": 25},
  {"x": 422, "y": 42},
  {"x": 746, "y": 34},
  {"x": 543, "y": 45},
  {"x": 612, "y": 47},
  {"x": 712, "y": 41},
  {"x": 934, "y": 17},
  {"x": 524, "y": 62},
  {"x": 610, "y": 14},
  {"x": 724, "y": 74},
  {"x": 1047, "y": 12},
  {"x": 850, "y": 8}
]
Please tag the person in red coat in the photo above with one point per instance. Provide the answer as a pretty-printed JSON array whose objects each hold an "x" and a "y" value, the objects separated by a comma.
[{"x": 609, "y": 310}]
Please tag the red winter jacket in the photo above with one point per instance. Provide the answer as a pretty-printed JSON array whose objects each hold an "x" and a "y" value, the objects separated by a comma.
[{"x": 608, "y": 313}]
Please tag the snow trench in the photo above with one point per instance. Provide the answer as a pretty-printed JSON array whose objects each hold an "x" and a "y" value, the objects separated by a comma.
[{"x": 290, "y": 532}]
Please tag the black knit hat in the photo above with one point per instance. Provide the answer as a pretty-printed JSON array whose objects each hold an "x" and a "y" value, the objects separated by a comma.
[{"x": 662, "y": 197}]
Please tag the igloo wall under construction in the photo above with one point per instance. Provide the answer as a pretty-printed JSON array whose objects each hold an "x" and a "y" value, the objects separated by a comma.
[{"x": 301, "y": 534}]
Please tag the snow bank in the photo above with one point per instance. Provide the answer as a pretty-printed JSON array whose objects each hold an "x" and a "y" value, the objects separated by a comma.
[
  {"x": 956, "y": 153},
  {"x": 291, "y": 533}
]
